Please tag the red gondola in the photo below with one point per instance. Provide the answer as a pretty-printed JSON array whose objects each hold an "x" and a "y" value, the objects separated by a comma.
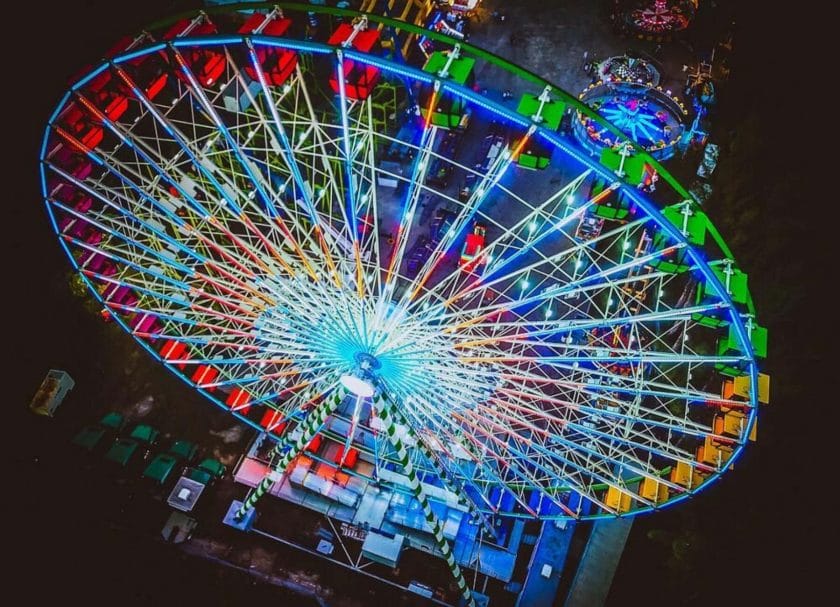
[
  {"x": 81, "y": 126},
  {"x": 271, "y": 421},
  {"x": 175, "y": 350},
  {"x": 238, "y": 400},
  {"x": 204, "y": 375},
  {"x": 359, "y": 78},
  {"x": 277, "y": 63},
  {"x": 206, "y": 63}
]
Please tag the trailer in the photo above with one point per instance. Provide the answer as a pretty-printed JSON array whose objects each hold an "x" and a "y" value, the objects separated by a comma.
[{"x": 51, "y": 392}]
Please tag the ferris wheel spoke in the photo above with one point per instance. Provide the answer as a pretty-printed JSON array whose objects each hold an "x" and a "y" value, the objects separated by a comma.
[
  {"x": 369, "y": 204},
  {"x": 637, "y": 414},
  {"x": 452, "y": 434},
  {"x": 164, "y": 309},
  {"x": 120, "y": 256},
  {"x": 525, "y": 332},
  {"x": 210, "y": 340},
  {"x": 444, "y": 458},
  {"x": 363, "y": 163},
  {"x": 567, "y": 289},
  {"x": 465, "y": 214},
  {"x": 120, "y": 230},
  {"x": 179, "y": 138},
  {"x": 552, "y": 440},
  {"x": 658, "y": 448},
  {"x": 651, "y": 358},
  {"x": 254, "y": 175},
  {"x": 419, "y": 170},
  {"x": 511, "y": 239},
  {"x": 203, "y": 167},
  {"x": 155, "y": 293},
  {"x": 669, "y": 422},
  {"x": 507, "y": 464},
  {"x": 284, "y": 148},
  {"x": 327, "y": 234},
  {"x": 166, "y": 314},
  {"x": 143, "y": 150},
  {"x": 601, "y": 470},
  {"x": 350, "y": 196},
  {"x": 566, "y": 279},
  {"x": 536, "y": 236},
  {"x": 301, "y": 398},
  {"x": 596, "y": 386},
  {"x": 286, "y": 396},
  {"x": 458, "y": 430},
  {"x": 111, "y": 166},
  {"x": 271, "y": 379},
  {"x": 511, "y": 454},
  {"x": 136, "y": 215},
  {"x": 263, "y": 382}
]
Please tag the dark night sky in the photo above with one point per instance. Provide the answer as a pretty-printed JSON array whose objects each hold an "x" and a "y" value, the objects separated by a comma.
[{"x": 758, "y": 524}]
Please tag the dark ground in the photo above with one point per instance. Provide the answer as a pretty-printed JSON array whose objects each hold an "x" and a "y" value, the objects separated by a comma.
[
  {"x": 753, "y": 538},
  {"x": 760, "y": 534}
]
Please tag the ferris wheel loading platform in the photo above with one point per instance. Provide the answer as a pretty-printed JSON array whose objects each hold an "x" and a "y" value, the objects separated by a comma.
[
  {"x": 363, "y": 508},
  {"x": 354, "y": 498}
]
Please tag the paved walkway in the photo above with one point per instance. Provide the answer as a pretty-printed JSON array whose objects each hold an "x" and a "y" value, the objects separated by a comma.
[
  {"x": 597, "y": 566},
  {"x": 552, "y": 548}
]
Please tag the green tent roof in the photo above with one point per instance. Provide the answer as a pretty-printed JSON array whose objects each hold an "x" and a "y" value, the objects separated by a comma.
[
  {"x": 160, "y": 467},
  {"x": 121, "y": 451},
  {"x": 213, "y": 466},
  {"x": 145, "y": 433},
  {"x": 184, "y": 449},
  {"x": 88, "y": 437},
  {"x": 113, "y": 420},
  {"x": 199, "y": 475}
]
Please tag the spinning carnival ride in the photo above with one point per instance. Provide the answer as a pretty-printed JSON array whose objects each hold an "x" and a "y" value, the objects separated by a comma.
[
  {"x": 647, "y": 114},
  {"x": 221, "y": 186},
  {"x": 658, "y": 19}
]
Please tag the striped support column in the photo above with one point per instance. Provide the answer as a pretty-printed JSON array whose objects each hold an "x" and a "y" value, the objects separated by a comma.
[
  {"x": 309, "y": 428},
  {"x": 439, "y": 470},
  {"x": 386, "y": 414}
]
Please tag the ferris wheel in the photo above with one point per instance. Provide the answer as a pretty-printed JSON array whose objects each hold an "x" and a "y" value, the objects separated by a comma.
[{"x": 300, "y": 226}]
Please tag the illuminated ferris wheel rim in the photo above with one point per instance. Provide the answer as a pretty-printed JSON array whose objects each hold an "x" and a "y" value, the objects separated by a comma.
[
  {"x": 565, "y": 145},
  {"x": 697, "y": 260}
]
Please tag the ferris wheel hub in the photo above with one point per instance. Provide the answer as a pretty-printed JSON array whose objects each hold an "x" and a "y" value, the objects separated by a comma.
[
  {"x": 367, "y": 362},
  {"x": 362, "y": 381}
]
